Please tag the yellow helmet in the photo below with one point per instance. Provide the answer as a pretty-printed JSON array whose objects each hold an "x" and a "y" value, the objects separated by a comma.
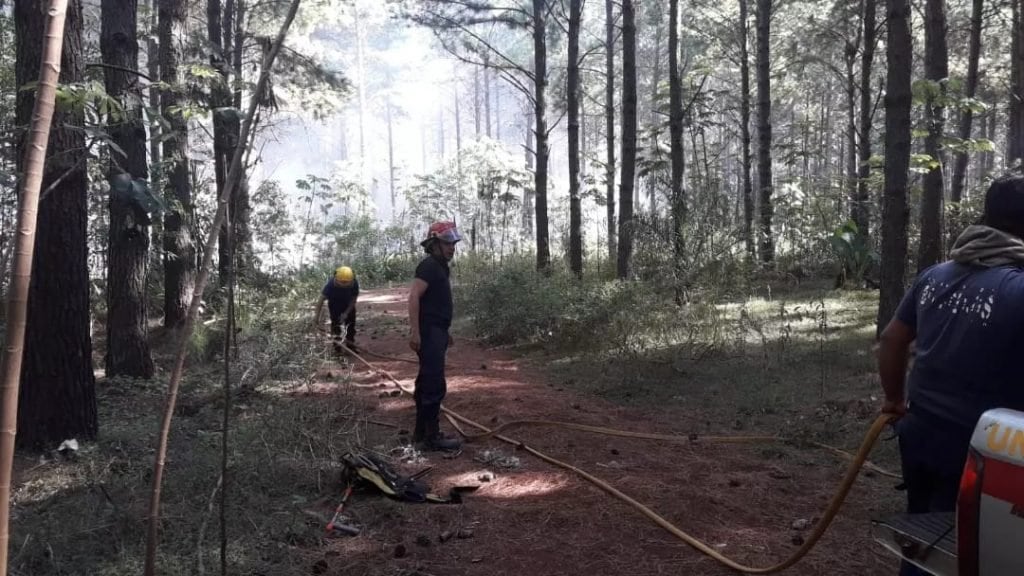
[{"x": 344, "y": 275}]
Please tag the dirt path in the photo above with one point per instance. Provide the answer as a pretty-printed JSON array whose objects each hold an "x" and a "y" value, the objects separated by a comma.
[{"x": 539, "y": 520}]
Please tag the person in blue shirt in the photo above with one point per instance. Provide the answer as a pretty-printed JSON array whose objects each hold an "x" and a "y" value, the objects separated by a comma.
[
  {"x": 341, "y": 294},
  {"x": 967, "y": 318}
]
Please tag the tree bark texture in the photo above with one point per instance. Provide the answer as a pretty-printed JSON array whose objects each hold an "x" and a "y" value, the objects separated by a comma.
[
  {"x": 860, "y": 211},
  {"x": 573, "y": 102},
  {"x": 967, "y": 116},
  {"x": 675, "y": 128},
  {"x": 219, "y": 32},
  {"x": 540, "y": 177},
  {"x": 609, "y": 125},
  {"x": 58, "y": 393},
  {"x": 529, "y": 153},
  {"x": 895, "y": 212},
  {"x": 936, "y": 64},
  {"x": 629, "y": 103},
  {"x": 179, "y": 246},
  {"x": 764, "y": 129},
  {"x": 748, "y": 191},
  {"x": 128, "y": 235}
]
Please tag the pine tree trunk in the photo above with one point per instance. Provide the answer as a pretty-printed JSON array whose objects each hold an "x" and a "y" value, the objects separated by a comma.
[
  {"x": 936, "y": 64},
  {"x": 361, "y": 86},
  {"x": 37, "y": 139},
  {"x": 529, "y": 153},
  {"x": 675, "y": 128},
  {"x": 540, "y": 71},
  {"x": 966, "y": 117},
  {"x": 391, "y": 158},
  {"x": 153, "y": 68},
  {"x": 748, "y": 189},
  {"x": 573, "y": 102},
  {"x": 1015, "y": 130},
  {"x": 128, "y": 235},
  {"x": 629, "y": 103},
  {"x": 179, "y": 248},
  {"x": 220, "y": 99},
  {"x": 497, "y": 106},
  {"x": 895, "y": 212},
  {"x": 764, "y": 129},
  {"x": 609, "y": 125},
  {"x": 476, "y": 103},
  {"x": 860, "y": 210},
  {"x": 239, "y": 205},
  {"x": 486, "y": 73},
  {"x": 57, "y": 398},
  {"x": 850, "y": 149},
  {"x": 653, "y": 118}
]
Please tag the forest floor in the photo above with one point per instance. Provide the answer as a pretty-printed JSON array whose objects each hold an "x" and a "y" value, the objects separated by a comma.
[{"x": 86, "y": 514}]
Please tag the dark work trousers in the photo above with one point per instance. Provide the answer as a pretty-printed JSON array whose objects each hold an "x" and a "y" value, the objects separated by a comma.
[
  {"x": 431, "y": 386},
  {"x": 932, "y": 456},
  {"x": 350, "y": 323}
]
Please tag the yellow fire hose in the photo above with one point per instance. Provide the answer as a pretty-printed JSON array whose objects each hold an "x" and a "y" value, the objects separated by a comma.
[{"x": 859, "y": 460}]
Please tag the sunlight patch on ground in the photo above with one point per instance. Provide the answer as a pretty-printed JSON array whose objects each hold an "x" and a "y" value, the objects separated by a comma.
[
  {"x": 518, "y": 485},
  {"x": 54, "y": 479}
]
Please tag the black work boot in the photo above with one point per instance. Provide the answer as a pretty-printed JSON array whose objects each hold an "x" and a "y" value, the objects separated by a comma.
[
  {"x": 436, "y": 441},
  {"x": 441, "y": 443}
]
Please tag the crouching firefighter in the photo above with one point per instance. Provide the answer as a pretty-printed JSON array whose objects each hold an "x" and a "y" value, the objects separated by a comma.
[
  {"x": 341, "y": 294},
  {"x": 430, "y": 317}
]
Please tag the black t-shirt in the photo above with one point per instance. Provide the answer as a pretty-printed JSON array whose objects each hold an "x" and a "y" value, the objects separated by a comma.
[{"x": 436, "y": 302}]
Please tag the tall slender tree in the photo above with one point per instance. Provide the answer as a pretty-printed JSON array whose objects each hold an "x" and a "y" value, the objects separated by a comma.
[
  {"x": 179, "y": 247},
  {"x": 895, "y": 211},
  {"x": 748, "y": 191},
  {"x": 128, "y": 235},
  {"x": 218, "y": 34},
  {"x": 540, "y": 83},
  {"x": 764, "y": 129},
  {"x": 573, "y": 103},
  {"x": 936, "y": 64},
  {"x": 629, "y": 112},
  {"x": 966, "y": 115},
  {"x": 675, "y": 128},
  {"x": 609, "y": 124},
  {"x": 58, "y": 391},
  {"x": 860, "y": 209}
]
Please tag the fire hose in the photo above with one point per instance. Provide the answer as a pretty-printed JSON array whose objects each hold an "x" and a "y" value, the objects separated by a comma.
[{"x": 858, "y": 461}]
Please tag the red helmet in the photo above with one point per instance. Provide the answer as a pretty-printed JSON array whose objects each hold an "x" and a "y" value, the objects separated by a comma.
[{"x": 443, "y": 231}]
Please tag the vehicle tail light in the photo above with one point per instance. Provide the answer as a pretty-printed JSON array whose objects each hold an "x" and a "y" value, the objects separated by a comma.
[{"x": 968, "y": 508}]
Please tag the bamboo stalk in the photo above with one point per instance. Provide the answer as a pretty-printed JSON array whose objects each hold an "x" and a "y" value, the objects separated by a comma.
[{"x": 24, "y": 247}]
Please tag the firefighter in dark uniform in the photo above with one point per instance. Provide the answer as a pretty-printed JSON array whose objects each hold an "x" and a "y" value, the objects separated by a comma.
[
  {"x": 341, "y": 294},
  {"x": 430, "y": 318}
]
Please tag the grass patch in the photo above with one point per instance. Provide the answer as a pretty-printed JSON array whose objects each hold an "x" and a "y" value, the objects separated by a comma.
[{"x": 86, "y": 514}]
